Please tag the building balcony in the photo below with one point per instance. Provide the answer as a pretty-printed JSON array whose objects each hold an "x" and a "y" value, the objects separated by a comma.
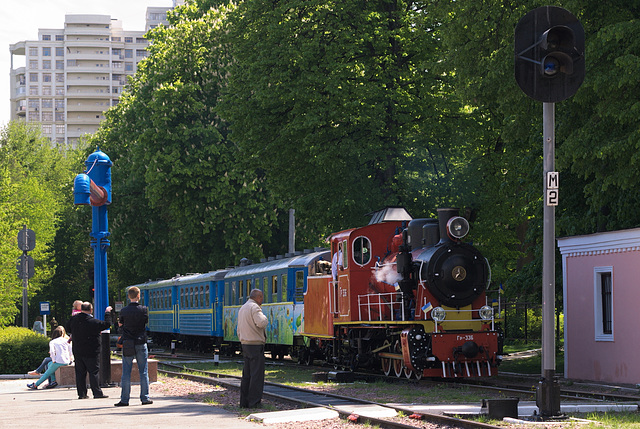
[{"x": 87, "y": 56}]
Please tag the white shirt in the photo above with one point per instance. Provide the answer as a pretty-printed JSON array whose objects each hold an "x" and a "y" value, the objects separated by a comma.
[
  {"x": 336, "y": 261},
  {"x": 60, "y": 350}
]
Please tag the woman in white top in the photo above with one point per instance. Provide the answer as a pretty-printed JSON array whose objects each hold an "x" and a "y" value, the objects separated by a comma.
[{"x": 61, "y": 355}]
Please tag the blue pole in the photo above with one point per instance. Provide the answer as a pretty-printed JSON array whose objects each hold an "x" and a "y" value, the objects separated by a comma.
[{"x": 100, "y": 243}]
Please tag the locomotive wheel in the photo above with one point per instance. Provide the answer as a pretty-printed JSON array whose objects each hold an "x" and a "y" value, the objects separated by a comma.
[
  {"x": 418, "y": 374},
  {"x": 398, "y": 364},
  {"x": 386, "y": 362},
  {"x": 305, "y": 357},
  {"x": 407, "y": 372}
]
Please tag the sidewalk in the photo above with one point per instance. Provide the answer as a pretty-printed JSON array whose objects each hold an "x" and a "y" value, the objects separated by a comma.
[{"x": 61, "y": 408}]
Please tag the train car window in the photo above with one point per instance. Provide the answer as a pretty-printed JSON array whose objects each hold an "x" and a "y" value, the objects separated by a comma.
[
  {"x": 266, "y": 290},
  {"x": 197, "y": 296},
  {"x": 361, "y": 250},
  {"x": 283, "y": 287},
  {"x": 299, "y": 286},
  {"x": 202, "y": 303},
  {"x": 248, "y": 292},
  {"x": 167, "y": 298},
  {"x": 207, "y": 298},
  {"x": 345, "y": 254},
  {"x": 191, "y": 297},
  {"x": 274, "y": 288},
  {"x": 234, "y": 293},
  {"x": 241, "y": 295},
  {"x": 181, "y": 297}
]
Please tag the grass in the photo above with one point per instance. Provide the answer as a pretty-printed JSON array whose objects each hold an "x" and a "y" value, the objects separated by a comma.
[{"x": 529, "y": 365}]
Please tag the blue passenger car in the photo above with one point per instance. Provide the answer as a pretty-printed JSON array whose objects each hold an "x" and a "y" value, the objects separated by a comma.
[{"x": 186, "y": 308}]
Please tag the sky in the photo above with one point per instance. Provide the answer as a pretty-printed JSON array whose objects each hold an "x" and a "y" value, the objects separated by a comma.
[{"x": 21, "y": 19}]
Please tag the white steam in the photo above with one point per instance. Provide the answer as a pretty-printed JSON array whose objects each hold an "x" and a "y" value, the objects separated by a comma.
[{"x": 388, "y": 274}]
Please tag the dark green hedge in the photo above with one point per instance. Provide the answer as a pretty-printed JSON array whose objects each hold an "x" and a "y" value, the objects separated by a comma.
[{"x": 21, "y": 350}]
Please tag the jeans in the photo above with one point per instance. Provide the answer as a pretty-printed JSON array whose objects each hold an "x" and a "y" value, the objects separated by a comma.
[
  {"x": 125, "y": 382},
  {"x": 50, "y": 373},
  {"x": 43, "y": 367}
]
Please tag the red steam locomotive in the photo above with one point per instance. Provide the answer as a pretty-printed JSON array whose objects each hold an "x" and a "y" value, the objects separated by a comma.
[{"x": 408, "y": 297}]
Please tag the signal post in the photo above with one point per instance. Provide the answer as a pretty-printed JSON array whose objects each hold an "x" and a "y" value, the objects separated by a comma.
[
  {"x": 94, "y": 188},
  {"x": 549, "y": 67}
]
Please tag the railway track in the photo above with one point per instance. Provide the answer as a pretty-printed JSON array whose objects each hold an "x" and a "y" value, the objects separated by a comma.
[
  {"x": 308, "y": 398},
  {"x": 565, "y": 392}
]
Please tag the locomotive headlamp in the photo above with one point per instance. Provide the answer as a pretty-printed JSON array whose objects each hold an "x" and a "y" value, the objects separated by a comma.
[
  {"x": 457, "y": 227},
  {"x": 486, "y": 312},
  {"x": 438, "y": 314}
]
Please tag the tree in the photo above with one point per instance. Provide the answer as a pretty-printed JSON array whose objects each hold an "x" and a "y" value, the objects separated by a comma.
[
  {"x": 34, "y": 181},
  {"x": 182, "y": 199},
  {"x": 341, "y": 104}
]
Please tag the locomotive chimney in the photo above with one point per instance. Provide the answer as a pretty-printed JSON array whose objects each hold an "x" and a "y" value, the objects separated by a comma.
[{"x": 443, "y": 217}]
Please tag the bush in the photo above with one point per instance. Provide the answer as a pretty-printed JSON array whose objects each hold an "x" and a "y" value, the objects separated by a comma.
[{"x": 21, "y": 350}]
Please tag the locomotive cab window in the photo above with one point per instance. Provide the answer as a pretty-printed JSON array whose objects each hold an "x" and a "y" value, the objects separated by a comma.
[
  {"x": 362, "y": 250},
  {"x": 345, "y": 254}
]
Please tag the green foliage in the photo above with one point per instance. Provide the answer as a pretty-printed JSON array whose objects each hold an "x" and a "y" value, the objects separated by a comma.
[
  {"x": 182, "y": 200},
  {"x": 35, "y": 181},
  {"x": 347, "y": 92},
  {"x": 21, "y": 350}
]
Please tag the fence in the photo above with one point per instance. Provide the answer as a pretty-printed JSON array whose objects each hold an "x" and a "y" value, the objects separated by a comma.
[{"x": 523, "y": 321}]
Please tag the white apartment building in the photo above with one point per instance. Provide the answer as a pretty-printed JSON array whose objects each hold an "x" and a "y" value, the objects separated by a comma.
[{"x": 71, "y": 76}]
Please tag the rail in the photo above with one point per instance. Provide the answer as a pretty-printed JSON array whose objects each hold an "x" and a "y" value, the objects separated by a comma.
[{"x": 391, "y": 301}]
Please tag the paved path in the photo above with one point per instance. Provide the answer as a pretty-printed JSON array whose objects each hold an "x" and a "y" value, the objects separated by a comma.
[{"x": 60, "y": 408}]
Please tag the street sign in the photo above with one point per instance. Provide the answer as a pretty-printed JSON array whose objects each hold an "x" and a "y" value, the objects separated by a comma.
[
  {"x": 45, "y": 308},
  {"x": 26, "y": 240},
  {"x": 553, "y": 179},
  {"x": 25, "y": 272}
]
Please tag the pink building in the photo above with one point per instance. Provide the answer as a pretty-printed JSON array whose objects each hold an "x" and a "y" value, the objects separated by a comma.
[{"x": 601, "y": 276}]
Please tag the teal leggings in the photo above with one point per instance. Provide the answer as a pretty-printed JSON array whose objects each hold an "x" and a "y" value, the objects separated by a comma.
[{"x": 50, "y": 372}]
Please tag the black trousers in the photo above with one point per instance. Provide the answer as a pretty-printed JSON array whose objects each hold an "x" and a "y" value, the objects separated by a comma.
[
  {"x": 86, "y": 365},
  {"x": 252, "y": 375}
]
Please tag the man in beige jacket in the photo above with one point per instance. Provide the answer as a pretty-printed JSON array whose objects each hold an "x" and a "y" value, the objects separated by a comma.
[{"x": 252, "y": 324}]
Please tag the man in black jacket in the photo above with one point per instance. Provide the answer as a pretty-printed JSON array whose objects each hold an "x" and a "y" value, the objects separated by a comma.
[
  {"x": 133, "y": 320},
  {"x": 85, "y": 332}
]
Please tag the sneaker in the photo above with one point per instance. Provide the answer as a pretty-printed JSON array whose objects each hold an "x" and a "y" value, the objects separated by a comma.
[
  {"x": 33, "y": 373},
  {"x": 100, "y": 397},
  {"x": 51, "y": 385},
  {"x": 83, "y": 397},
  {"x": 120, "y": 404},
  {"x": 32, "y": 386},
  {"x": 149, "y": 402}
]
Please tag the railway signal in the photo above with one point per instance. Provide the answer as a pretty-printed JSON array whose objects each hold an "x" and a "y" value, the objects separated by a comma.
[
  {"x": 549, "y": 54},
  {"x": 549, "y": 67}
]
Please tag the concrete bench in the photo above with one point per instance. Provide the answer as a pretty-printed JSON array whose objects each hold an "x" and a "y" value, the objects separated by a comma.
[{"x": 66, "y": 375}]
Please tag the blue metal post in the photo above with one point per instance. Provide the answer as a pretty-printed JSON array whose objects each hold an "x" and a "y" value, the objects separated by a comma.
[
  {"x": 100, "y": 243},
  {"x": 94, "y": 188}
]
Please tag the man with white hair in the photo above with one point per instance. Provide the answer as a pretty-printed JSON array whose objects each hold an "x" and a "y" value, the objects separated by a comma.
[{"x": 252, "y": 324}]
